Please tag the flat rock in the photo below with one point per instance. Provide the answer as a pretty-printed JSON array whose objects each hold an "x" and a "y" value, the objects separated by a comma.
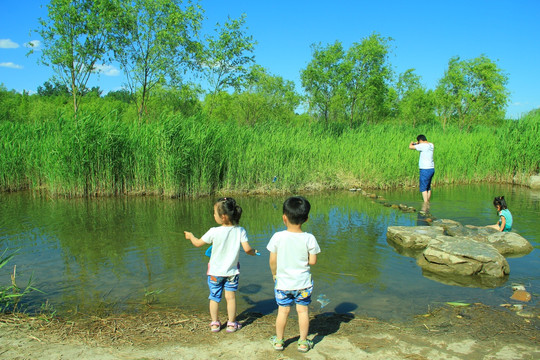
[
  {"x": 413, "y": 237},
  {"x": 463, "y": 256}
]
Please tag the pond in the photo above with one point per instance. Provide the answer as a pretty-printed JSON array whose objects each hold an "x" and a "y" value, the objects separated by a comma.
[{"x": 124, "y": 254}]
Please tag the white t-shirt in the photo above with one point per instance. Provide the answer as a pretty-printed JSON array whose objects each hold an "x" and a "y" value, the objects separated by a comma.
[
  {"x": 426, "y": 155},
  {"x": 226, "y": 242},
  {"x": 293, "y": 251}
]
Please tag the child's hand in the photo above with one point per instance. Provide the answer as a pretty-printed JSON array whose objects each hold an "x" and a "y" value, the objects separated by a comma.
[{"x": 188, "y": 235}]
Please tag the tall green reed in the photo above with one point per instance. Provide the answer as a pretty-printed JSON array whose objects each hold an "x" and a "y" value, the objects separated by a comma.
[{"x": 100, "y": 154}]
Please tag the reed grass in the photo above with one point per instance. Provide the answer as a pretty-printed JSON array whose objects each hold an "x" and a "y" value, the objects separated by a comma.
[{"x": 101, "y": 155}]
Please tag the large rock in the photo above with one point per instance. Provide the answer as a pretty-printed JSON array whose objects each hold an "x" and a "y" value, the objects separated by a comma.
[
  {"x": 534, "y": 182},
  {"x": 413, "y": 237},
  {"x": 462, "y": 256},
  {"x": 509, "y": 243}
]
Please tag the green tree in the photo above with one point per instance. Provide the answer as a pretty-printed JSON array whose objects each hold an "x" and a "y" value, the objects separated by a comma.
[
  {"x": 472, "y": 92},
  {"x": 76, "y": 36},
  {"x": 414, "y": 103},
  {"x": 226, "y": 58},
  {"x": 322, "y": 78},
  {"x": 158, "y": 45},
  {"x": 267, "y": 96},
  {"x": 367, "y": 74}
]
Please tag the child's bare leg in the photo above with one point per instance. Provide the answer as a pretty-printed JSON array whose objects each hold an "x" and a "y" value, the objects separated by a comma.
[
  {"x": 281, "y": 321},
  {"x": 230, "y": 296},
  {"x": 303, "y": 320},
  {"x": 214, "y": 310}
]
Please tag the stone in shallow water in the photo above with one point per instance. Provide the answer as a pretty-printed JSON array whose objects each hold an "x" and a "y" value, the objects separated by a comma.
[{"x": 521, "y": 295}]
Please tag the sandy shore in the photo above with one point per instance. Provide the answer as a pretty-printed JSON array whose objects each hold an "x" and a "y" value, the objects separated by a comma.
[{"x": 474, "y": 332}]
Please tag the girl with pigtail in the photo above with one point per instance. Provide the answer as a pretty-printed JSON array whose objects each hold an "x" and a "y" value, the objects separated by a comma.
[
  {"x": 224, "y": 268},
  {"x": 505, "y": 217}
]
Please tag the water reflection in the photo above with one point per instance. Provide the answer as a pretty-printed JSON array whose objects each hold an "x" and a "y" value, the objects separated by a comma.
[{"x": 121, "y": 254}]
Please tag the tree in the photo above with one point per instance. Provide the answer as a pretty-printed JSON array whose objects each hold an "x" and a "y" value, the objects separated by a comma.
[
  {"x": 53, "y": 89},
  {"x": 414, "y": 103},
  {"x": 322, "y": 78},
  {"x": 366, "y": 77},
  {"x": 472, "y": 92},
  {"x": 76, "y": 36},
  {"x": 267, "y": 96},
  {"x": 158, "y": 45},
  {"x": 226, "y": 57}
]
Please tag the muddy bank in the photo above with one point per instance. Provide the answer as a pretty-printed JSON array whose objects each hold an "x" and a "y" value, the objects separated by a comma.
[{"x": 473, "y": 332}]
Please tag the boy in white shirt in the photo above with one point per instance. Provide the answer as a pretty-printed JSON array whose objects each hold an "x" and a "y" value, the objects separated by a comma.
[{"x": 292, "y": 251}]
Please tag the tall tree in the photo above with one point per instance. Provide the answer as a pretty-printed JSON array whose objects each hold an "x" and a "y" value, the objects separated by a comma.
[
  {"x": 366, "y": 79},
  {"x": 322, "y": 78},
  {"x": 414, "y": 103},
  {"x": 472, "y": 92},
  {"x": 76, "y": 36},
  {"x": 159, "y": 44},
  {"x": 227, "y": 56}
]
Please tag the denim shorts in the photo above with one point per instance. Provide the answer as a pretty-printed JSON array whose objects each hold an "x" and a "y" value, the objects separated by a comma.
[
  {"x": 216, "y": 284},
  {"x": 287, "y": 297},
  {"x": 425, "y": 179}
]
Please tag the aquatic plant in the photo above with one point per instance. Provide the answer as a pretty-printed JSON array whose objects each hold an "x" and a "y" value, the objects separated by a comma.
[{"x": 101, "y": 155}]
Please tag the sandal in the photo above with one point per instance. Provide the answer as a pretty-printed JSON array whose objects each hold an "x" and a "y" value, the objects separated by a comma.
[
  {"x": 215, "y": 323},
  {"x": 277, "y": 343},
  {"x": 232, "y": 326},
  {"x": 305, "y": 345}
]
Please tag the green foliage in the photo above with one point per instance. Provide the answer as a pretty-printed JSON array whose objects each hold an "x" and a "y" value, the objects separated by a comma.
[
  {"x": 350, "y": 85},
  {"x": 226, "y": 57},
  {"x": 101, "y": 154},
  {"x": 11, "y": 295},
  {"x": 157, "y": 44},
  {"x": 471, "y": 92},
  {"x": 76, "y": 36}
]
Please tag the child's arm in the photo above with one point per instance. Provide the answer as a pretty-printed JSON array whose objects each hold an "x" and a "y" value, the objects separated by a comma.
[
  {"x": 503, "y": 223},
  {"x": 248, "y": 249},
  {"x": 273, "y": 264},
  {"x": 312, "y": 260},
  {"x": 194, "y": 240}
]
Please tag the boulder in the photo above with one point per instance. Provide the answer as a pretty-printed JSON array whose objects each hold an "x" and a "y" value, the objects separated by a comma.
[
  {"x": 413, "y": 237},
  {"x": 509, "y": 243},
  {"x": 463, "y": 256},
  {"x": 534, "y": 182}
]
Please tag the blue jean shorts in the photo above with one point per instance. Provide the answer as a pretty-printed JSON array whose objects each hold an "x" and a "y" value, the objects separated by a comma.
[
  {"x": 288, "y": 297},
  {"x": 216, "y": 284},
  {"x": 425, "y": 179}
]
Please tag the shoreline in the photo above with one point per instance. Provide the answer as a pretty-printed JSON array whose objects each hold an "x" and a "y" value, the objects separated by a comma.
[{"x": 449, "y": 332}]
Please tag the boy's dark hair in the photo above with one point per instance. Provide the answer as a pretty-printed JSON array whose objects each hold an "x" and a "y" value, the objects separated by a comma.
[
  {"x": 421, "y": 137},
  {"x": 499, "y": 200},
  {"x": 227, "y": 206},
  {"x": 296, "y": 208}
]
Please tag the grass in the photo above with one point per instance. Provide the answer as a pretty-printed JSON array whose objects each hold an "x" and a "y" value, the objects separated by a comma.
[{"x": 101, "y": 155}]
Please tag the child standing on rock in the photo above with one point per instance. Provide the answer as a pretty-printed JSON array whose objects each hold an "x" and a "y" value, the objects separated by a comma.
[{"x": 223, "y": 268}]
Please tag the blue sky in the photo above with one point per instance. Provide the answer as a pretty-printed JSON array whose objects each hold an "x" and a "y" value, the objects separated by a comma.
[{"x": 426, "y": 35}]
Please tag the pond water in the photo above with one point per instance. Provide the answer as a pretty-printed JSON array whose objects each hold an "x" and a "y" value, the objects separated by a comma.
[{"x": 123, "y": 254}]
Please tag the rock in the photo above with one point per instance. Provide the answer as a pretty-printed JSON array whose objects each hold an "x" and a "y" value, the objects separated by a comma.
[
  {"x": 534, "y": 182},
  {"x": 509, "y": 243},
  {"x": 462, "y": 256},
  {"x": 521, "y": 295},
  {"x": 413, "y": 237}
]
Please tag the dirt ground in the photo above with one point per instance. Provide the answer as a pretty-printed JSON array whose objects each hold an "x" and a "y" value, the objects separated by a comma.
[{"x": 473, "y": 332}]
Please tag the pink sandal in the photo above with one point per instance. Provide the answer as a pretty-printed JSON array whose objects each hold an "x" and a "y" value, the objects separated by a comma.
[
  {"x": 232, "y": 326},
  {"x": 215, "y": 323}
]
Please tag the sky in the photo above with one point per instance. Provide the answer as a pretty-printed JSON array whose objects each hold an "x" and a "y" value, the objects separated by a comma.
[{"x": 426, "y": 34}]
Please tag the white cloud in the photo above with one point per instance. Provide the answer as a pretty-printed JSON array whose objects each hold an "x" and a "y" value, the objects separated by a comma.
[
  {"x": 33, "y": 44},
  {"x": 10, "y": 65},
  {"x": 8, "y": 44},
  {"x": 107, "y": 70}
]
